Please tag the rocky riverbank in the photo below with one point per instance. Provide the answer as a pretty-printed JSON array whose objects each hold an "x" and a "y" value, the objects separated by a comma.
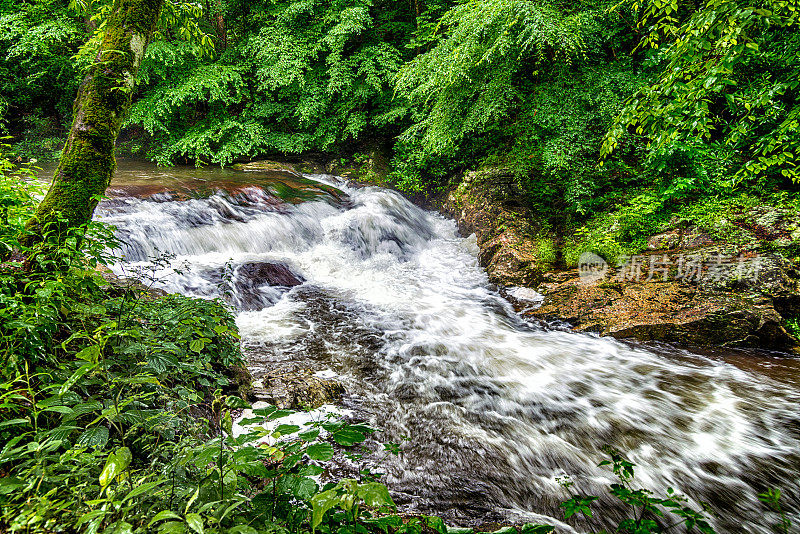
[{"x": 687, "y": 287}]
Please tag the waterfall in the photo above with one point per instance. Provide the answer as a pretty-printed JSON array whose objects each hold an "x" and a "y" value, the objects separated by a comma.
[{"x": 489, "y": 409}]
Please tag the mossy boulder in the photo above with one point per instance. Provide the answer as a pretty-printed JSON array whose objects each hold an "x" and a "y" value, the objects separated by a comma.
[
  {"x": 296, "y": 389},
  {"x": 490, "y": 204}
]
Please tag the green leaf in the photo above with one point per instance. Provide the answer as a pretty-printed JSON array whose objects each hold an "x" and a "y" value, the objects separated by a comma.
[
  {"x": 227, "y": 423},
  {"x": 347, "y": 437},
  {"x": 195, "y": 523},
  {"x": 82, "y": 370},
  {"x": 59, "y": 409},
  {"x": 160, "y": 361},
  {"x": 88, "y": 516},
  {"x": 164, "y": 514},
  {"x": 173, "y": 527},
  {"x": 11, "y": 422},
  {"x": 138, "y": 490},
  {"x": 119, "y": 527},
  {"x": 116, "y": 464},
  {"x": 283, "y": 430},
  {"x": 191, "y": 500},
  {"x": 309, "y": 435},
  {"x": 197, "y": 345},
  {"x": 321, "y": 503},
  {"x": 320, "y": 451},
  {"x": 375, "y": 494},
  {"x": 437, "y": 524},
  {"x": 301, "y": 487},
  {"x": 95, "y": 437},
  {"x": 89, "y": 354},
  {"x": 10, "y": 484}
]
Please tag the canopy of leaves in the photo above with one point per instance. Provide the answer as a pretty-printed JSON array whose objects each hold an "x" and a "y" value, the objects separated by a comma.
[
  {"x": 297, "y": 76},
  {"x": 727, "y": 89}
]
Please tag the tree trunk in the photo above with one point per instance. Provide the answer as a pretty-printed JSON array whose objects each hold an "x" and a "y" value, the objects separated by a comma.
[{"x": 104, "y": 98}]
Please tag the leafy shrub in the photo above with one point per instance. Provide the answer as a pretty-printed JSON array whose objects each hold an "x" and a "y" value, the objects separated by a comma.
[{"x": 647, "y": 508}]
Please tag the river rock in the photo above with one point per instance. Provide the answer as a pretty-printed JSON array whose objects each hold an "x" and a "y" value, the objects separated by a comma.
[
  {"x": 296, "y": 389},
  {"x": 267, "y": 273},
  {"x": 669, "y": 311},
  {"x": 250, "y": 280},
  {"x": 490, "y": 204}
]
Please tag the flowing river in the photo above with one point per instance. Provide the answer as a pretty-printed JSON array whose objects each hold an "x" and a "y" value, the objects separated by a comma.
[{"x": 494, "y": 408}]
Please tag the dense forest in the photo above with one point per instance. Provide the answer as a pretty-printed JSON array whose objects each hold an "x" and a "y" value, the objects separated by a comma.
[
  {"x": 611, "y": 120},
  {"x": 640, "y": 107}
]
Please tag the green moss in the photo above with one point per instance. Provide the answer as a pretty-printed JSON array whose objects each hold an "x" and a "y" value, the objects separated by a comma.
[
  {"x": 87, "y": 163},
  {"x": 546, "y": 252},
  {"x": 793, "y": 326}
]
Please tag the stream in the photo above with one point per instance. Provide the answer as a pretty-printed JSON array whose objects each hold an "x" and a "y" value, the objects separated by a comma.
[{"x": 488, "y": 408}]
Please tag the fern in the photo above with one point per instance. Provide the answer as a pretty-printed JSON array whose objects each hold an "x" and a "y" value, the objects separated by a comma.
[{"x": 469, "y": 79}]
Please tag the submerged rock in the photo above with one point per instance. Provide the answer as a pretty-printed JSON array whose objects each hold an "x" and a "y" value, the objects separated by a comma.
[{"x": 266, "y": 166}]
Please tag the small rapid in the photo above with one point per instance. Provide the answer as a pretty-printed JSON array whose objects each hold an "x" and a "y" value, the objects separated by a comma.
[{"x": 489, "y": 408}]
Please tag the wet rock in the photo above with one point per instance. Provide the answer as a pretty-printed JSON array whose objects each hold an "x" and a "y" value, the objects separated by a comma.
[
  {"x": 489, "y": 203},
  {"x": 251, "y": 279},
  {"x": 267, "y": 273},
  {"x": 722, "y": 308},
  {"x": 296, "y": 389}
]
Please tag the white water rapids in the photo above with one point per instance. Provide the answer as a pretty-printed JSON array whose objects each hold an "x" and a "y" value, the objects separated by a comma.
[{"x": 395, "y": 304}]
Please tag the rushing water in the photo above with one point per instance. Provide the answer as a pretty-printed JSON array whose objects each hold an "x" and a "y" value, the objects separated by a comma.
[{"x": 393, "y": 301}]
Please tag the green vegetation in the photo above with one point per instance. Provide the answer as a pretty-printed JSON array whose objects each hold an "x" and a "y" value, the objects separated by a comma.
[
  {"x": 617, "y": 120},
  {"x": 646, "y": 508},
  {"x": 610, "y": 115}
]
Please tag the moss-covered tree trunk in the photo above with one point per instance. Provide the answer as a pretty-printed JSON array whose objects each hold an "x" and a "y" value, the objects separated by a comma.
[{"x": 104, "y": 98}]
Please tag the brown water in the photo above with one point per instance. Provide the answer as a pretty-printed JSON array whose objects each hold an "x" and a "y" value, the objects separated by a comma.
[{"x": 142, "y": 179}]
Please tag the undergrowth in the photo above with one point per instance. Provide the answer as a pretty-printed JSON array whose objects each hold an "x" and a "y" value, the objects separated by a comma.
[{"x": 742, "y": 218}]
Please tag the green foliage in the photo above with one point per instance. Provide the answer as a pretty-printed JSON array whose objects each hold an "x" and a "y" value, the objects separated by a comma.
[
  {"x": 37, "y": 40},
  {"x": 625, "y": 230},
  {"x": 727, "y": 88},
  {"x": 772, "y": 497},
  {"x": 793, "y": 325},
  {"x": 546, "y": 251},
  {"x": 470, "y": 78},
  {"x": 297, "y": 76},
  {"x": 646, "y": 508},
  {"x": 621, "y": 232}
]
